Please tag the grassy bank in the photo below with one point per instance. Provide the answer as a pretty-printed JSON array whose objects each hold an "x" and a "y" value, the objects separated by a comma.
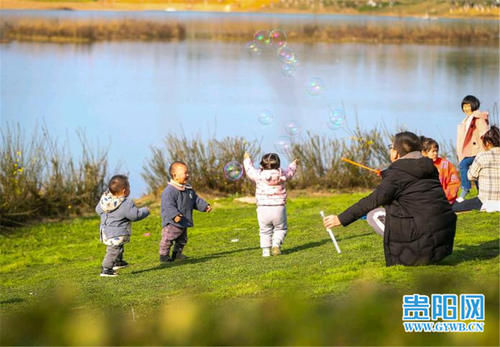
[
  {"x": 226, "y": 293},
  {"x": 241, "y": 30},
  {"x": 40, "y": 178}
]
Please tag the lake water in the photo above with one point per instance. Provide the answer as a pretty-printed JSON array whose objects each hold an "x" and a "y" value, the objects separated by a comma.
[{"x": 129, "y": 95}]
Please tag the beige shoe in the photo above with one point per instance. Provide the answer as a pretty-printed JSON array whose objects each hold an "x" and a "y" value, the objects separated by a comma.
[{"x": 276, "y": 251}]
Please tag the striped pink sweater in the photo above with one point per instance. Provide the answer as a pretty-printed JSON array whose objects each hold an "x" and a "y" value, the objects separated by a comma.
[{"x": 270, "y": 184}]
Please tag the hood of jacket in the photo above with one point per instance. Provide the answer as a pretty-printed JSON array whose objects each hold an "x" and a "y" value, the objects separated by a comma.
[
  {"x": 480, "y": 114},
  {"x": 421, "y": 167},
  {"x": 109, "y": 202},
  {"x": 272, "y": 177}
]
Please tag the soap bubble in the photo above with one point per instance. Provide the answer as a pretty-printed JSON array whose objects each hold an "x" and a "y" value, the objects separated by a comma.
[
  {"x": 336, "y": 119},
  {"x": 315, "y": 86},
  {"x": 278, "y": 38},
  {"x": 288, "y": 70},
  {"x": 233, "y": 170},
  {"x": 283, "y": 145},
  {"x": 287, "y": 55},
  {"x": 253, "y": 48},
  {"x": 262, "y": 38},
  {"x": 292, "y": 128},
  {"x": 265, "y": 117}
]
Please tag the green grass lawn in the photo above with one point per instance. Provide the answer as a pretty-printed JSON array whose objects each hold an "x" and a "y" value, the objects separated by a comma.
[{"x": 56, "y": 266}]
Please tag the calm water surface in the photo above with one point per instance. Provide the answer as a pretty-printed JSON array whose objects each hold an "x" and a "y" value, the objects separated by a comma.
[{"x": 128, "y": 96}]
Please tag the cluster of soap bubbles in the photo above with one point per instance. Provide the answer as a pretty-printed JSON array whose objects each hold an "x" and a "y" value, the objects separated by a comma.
[{"x": 275, "y": 40}]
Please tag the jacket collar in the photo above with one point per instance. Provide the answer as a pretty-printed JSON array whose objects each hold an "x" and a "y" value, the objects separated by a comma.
[{"x": 179, "y": 186}]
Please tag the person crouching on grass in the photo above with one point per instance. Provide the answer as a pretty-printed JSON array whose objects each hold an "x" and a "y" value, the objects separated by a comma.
[
  {"x": 117, "y": 211},
  {"x": 419, "y": 224},
  {"x": 177, "y": 203}
]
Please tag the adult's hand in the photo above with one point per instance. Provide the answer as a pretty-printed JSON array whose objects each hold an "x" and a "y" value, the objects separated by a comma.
[{"x": 331, "y": 221}]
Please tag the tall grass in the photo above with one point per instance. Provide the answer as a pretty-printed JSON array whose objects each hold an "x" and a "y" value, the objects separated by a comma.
[
  {"x": 86, "y": 31},
  {"x": 205, "y": 159},
  {"x": 40, "y": 179},
  {"x": 319, "y": 165},
  {"x": 231, "y": 29}
]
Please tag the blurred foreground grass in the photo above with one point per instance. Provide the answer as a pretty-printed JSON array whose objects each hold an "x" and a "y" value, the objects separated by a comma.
[{"x": 226, "y": 293}]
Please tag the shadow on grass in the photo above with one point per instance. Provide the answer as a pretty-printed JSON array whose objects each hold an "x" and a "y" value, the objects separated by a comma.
[
  {"x": 483, "y": 251},
  {"x": 194, "y": 260},
  {"x": 305, "y": 246}
]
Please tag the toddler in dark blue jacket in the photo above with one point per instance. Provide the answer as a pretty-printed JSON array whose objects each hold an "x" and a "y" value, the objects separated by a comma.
[{"x": 177, "y": 203}]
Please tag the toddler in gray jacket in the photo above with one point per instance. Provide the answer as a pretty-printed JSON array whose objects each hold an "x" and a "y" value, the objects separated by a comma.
[
  {"x": 177, "y": 203},
  {"x": 117, "y": 211}
]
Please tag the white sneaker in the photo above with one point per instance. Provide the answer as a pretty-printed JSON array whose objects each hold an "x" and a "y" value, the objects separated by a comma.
[
  {"x": 266, "y": 252},
  {"x": 460, "y": 199}
]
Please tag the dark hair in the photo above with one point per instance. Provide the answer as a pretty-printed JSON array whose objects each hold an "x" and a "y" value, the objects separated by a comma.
[
  {"x": 406, "y": 142},
  {"x": 428, "y": 143},
  {"x": 117, "y": 183},
  {"x": 472, "y": 101},
  {"x": 492, "y": 136},
  {"x": 270, "y": 161},
  {"x": 173, "y": 166}
]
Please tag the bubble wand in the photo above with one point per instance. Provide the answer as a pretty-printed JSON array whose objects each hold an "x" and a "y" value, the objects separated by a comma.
[
  {"x": 377, "y": 171},
  {"x": 331, "y": 233}
]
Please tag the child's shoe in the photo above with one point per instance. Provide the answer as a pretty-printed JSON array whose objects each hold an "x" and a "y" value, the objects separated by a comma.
[
  {"x": 120, "y": 265},
  {"x": 165, "y": 259},
  {"x": 108, "y": 272},
  {"x": 266, "y": 252},
  {"x": 276, "y": 251},
  {"x": 178, "y": 256}
]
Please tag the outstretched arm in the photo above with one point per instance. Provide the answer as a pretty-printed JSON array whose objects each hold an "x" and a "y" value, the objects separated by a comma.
[
  {"x": 250, "y": 171},
  {"x": 135, "y": 214},
  {"x": 290, "y": 171}
]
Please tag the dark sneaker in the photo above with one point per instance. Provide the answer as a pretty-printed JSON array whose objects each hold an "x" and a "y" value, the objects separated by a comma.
[
  {"x": 108, "y": 273},
  {"x": 165, "y": 259},
  {"x": 178, "y": 256},
  {"x": 120, "y": 265}
]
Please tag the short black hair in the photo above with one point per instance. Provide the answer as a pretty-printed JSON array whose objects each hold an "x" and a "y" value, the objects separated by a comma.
[
  {"x": 270, "y": 161},
  {"x": 406, "y": 142},
  {"x": 173, "y": 166},
  {"x": 428, "y": 143},
  {"x": 117, "y": 183},
  {"x": 472, "y": 101},
  {"x": 492, "y": 136}
]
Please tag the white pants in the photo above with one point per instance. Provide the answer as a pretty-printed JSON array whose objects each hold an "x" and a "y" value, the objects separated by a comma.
[
  {"x": 272, "y": 224},
  {"x": 376, "y": 219}
]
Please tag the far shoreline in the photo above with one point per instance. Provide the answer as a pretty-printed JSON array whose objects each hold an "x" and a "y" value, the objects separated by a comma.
[{"x": 165, "y": 7}]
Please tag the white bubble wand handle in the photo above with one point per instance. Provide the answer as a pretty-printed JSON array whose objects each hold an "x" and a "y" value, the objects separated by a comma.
[{"x": 331, "y": 233}]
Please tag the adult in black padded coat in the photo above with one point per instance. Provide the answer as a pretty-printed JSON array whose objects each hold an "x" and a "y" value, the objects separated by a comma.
[{"x": 419, "y": 225}]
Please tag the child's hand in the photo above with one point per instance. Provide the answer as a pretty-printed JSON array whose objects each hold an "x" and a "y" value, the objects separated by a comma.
[
  {"x": 331, "y": 221},
  {"x": 147, "y": 209},
  {"x": 296, "y": 161},
  {"x": 178, "y": 218},
  {"x": 246, "y": 155},
  {"x": 208, "y": 209}
]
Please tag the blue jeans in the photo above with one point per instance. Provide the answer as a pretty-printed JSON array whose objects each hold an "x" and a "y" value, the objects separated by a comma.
[{"x": 463, "y": 168}]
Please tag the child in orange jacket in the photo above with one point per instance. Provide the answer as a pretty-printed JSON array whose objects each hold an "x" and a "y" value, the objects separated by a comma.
[{"x": 448, "y": 175}]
